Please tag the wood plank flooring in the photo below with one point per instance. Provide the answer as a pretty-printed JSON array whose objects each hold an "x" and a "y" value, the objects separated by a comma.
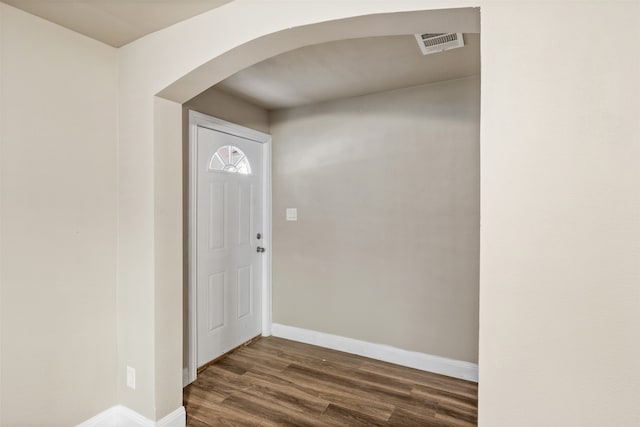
[{"x": 277, "y": 382}]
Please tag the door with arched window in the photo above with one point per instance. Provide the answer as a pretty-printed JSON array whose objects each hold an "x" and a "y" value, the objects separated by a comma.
[{"x": 229, "y": 240}]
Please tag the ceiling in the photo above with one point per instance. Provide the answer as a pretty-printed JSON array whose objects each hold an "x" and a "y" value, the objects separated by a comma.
[
  {"x": 349, "y": 68},
  {"x": 116, "y": 22}
]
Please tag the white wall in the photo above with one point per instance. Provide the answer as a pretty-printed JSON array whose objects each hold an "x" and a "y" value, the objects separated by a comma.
[
  {"x": 168, "y": 249},
  {"x": 386, "y": 246},
  {"x": 560, "y": 236},
  {"x": 58, "y": 223}
]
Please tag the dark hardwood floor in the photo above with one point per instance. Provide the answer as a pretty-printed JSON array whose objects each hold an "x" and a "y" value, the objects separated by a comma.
[{"x": 276, "y": 382}]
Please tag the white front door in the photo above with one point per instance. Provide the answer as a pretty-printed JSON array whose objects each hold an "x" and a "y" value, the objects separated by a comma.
[{"x": 229, "y": 238}]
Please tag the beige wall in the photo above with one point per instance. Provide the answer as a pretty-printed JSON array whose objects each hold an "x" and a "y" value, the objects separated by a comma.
[
  {"x": 217, "y": 103},
  {"x": 223, "y": 105},
  {"x": 58, "y": 224},
  {"x": 386, "y": 244}
]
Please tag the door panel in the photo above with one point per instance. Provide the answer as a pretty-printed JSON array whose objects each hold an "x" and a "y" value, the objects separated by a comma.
[
  {"x": 215, "y": 298},
  {"x": 216, "y": 214},
  {"x": 244, "y": 214},
  {"x": 244, "y": 291},
  {"x": 228, "y": 266}
]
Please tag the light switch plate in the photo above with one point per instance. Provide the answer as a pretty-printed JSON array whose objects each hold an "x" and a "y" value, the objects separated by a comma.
[{"x": 292, "y": 214}]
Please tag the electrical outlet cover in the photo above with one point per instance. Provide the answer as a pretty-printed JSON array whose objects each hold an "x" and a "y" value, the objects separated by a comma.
[{"x": 131, "y": 377}]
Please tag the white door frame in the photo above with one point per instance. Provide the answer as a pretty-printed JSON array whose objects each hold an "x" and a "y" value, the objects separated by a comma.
[{"x": 202, "y": 120}]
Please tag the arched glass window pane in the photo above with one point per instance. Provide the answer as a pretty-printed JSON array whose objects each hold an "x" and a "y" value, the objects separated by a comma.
[{"x": 230, "y": 159}]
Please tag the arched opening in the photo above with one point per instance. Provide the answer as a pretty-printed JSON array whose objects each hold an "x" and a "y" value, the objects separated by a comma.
[
  {"x": 254, "y": 51},
  {"x": 462, "y": 20}
]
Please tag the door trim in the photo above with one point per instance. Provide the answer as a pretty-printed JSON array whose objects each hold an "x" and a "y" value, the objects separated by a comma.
[{"x": 202, "y": 120}]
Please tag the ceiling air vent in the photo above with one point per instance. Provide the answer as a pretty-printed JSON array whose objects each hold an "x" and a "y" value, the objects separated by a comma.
[{"x": 434, "y": 43}]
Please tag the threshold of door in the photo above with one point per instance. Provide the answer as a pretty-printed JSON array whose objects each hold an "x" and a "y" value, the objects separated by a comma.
[{"x": 222, "y": 356}]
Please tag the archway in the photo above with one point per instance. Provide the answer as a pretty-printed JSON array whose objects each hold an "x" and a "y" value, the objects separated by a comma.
[{"x": 158, "y": 73}]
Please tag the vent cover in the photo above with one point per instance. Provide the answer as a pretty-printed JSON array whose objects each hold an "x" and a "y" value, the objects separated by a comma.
[{"x": 434, "y": 43}]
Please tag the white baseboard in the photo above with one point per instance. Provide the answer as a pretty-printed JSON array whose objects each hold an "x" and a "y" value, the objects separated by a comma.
[
  {"x": 425, "y": 362},
  {"x": 177, "y": 418},
  {"x": 103, "y": 419},
  {"x": 121, "y": 416}
]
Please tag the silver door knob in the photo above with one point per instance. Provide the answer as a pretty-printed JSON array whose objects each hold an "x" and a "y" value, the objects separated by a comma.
[{"x": 260, "y": 249}]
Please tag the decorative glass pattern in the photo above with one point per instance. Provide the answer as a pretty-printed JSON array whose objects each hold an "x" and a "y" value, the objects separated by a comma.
[{"x": 230, "y": 159}]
